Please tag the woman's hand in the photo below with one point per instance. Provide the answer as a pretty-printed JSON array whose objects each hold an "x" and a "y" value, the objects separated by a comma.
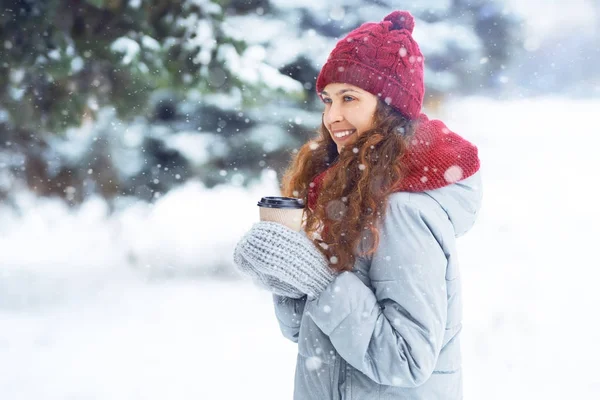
[{"x": 285, "y": 257}]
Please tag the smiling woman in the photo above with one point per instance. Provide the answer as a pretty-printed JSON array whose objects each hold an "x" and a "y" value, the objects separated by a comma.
[{"x": 388, "y": 191}]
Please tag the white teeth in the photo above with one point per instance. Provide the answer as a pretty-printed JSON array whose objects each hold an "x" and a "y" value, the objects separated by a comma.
[{"x": 343, "y": 133}]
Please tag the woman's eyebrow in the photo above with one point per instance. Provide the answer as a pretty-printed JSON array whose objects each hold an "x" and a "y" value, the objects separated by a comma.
[{"x": 340, "y": 92}]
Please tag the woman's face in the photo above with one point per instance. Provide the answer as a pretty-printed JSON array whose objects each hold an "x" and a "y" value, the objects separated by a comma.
[{"x": 348, "y": 109}]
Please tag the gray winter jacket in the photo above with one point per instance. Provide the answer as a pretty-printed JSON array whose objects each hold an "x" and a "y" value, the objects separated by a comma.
[{"x": 390, "y": 329}]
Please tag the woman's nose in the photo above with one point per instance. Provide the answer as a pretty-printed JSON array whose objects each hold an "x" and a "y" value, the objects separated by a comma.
[{"x": 332, "y": 115}]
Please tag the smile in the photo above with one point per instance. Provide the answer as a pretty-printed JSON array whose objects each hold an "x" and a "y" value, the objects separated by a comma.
[{"x": 343, "y": 134}]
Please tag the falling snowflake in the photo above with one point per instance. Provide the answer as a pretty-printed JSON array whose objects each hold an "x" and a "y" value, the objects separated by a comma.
[
  {"x": 313, "y": 363},
  {"x": 335, "y": 210},
  {"x": 453, "y": 174}
]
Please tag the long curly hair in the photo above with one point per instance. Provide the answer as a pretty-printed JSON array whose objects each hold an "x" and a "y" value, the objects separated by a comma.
[{"x": 353, "y": 195}]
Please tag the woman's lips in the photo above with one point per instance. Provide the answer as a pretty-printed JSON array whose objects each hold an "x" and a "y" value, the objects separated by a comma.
[{"x": 345, "y": 138}]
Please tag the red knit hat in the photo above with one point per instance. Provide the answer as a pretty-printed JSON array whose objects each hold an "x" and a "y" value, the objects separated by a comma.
[{"x": 383, "y": 59}]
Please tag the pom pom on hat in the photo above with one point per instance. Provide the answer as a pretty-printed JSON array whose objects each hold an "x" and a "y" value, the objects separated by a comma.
[
  {"x": 401, "y": 20},
  {"x": 382, "y": 59}
]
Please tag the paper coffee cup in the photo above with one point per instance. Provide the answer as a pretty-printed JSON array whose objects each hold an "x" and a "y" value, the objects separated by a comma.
[{"x": 284, "y": 210}]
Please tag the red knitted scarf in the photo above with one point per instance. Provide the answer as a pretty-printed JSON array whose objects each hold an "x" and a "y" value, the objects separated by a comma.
[{"x": 436, "y": 157}]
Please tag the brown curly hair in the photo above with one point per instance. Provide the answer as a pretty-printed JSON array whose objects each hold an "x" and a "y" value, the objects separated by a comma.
[{"x": 353, "y": 196}]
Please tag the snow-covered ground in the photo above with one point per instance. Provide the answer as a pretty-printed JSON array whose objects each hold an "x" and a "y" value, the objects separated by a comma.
[{"x": 146, "y": 304}]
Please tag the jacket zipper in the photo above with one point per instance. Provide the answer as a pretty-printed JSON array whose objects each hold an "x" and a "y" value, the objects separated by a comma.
[{"x": 342, "y": 378}]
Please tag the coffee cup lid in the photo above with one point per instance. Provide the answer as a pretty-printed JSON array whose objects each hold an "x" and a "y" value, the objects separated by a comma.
[{"x": 280, "y": 202}]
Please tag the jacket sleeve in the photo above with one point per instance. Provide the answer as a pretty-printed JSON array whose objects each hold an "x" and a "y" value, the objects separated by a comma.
[
  {"x": 289, "y": 314},
  {"x": 392, "y": 332}
]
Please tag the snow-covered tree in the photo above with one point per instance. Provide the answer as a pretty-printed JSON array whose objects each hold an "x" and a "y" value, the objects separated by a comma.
[{"x": 64, "y": 61}]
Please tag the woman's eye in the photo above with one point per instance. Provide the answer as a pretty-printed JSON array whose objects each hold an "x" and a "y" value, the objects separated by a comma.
[{"x": 346, "y": 99}]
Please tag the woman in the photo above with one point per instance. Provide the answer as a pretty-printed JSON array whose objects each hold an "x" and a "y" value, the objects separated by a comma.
[{"x": 370, "y": 290}]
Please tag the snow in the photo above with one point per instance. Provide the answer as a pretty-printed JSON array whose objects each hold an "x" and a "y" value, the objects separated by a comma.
[
  {"x": 207, "y": 6},
  {"x": 145, "y": 303},
  {"x": 145, "y": 341},
  {"x": 263, "y": 29},
  {"x": 283, "y": 45},
  {"x": 272, "y": 137},
  {"x": 135, "y": 4},
  {"x": 129, "y": 47},
  {"x": 199, "y": 35},
  {"x": 77, "y": 64},
  {"x": 250, "y": 69},
  {"x": 197, "y": 148},
  {"x": 150, "y": 43}
]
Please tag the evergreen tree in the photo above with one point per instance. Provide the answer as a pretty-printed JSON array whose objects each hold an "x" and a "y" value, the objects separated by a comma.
[{"x": 63, "y": 61}]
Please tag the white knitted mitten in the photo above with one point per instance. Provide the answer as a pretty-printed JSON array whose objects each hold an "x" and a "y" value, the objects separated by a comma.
[
  {"x": 274, "y": 250},
  {"x": 265, "y": 281}
]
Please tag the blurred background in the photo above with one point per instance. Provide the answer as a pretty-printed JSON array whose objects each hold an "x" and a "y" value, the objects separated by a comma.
[{"x": 136, "y": 137}]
